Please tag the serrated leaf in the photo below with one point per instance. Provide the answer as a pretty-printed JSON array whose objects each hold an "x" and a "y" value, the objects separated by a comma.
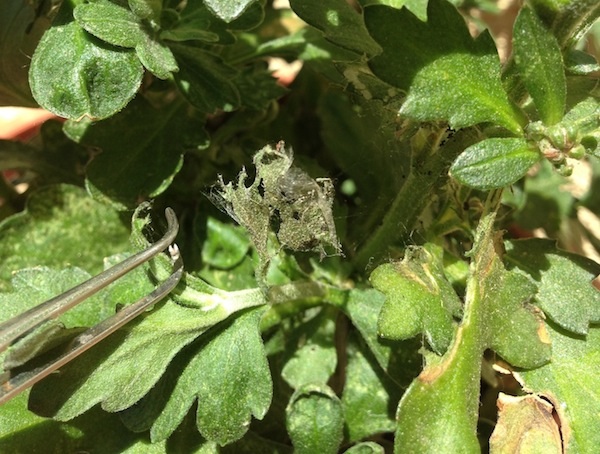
[
  {"x": 205, "y": 80},
  {"x": 540, "y": 64},
  {"x": 230, "y": 377},
  {"x": 435, "y": 63},
  {"x": 314, "y": 356},
  {"x": 367, "y": 387},
  {"x": 494, "y": 163},
  {"x": 494, "y": 299},
  {"x": 141, "y": 151},
  {"x": 314, "y": 420},
  {"x": 230, "y": 10},
  {"x": 564, "y": 281},
  {"x": 38, "y": 237},
  {"x": 120, "y": 370},
  {"x": 572, "y": 383},
  {"x": 73, "y": 76},
  {"x": 341, "y": 24},
  {"x": 419, "y": 299}
]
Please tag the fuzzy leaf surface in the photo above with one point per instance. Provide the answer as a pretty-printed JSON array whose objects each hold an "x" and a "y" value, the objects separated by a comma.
[
  {"x": 564, "y": 281},
  {"x": 229, "y": 10},
  {"x": 540, "y": 64},
  {"x": 434, "y": 62},
  {"x": 314, "y": 356},
  {"x": 229, "y": 376},
  {"x": 37, "y": 236},
  {"x": 419, "y": 298},
  {"x": 494, "y": 317},
  {"x": 494, "y": 163},
  {"x": 367, "y": 386},
  {"x": 315, "y": 420},
  {"x": 73, "y": 76}
]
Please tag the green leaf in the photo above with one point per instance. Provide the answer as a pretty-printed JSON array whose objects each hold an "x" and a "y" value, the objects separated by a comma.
[
  {"x": 313, "y": 353},
  {"x": 205, "y": 80},
  {"x": 38, "y": 235},
  {"x": 110, "y": 22},
  {"x": 314, "y": 420},
  {"x": 121, "y": 27},
  {"x": 400, "y": 360},
  {"x": 495, "y": 317},
  {"x": 225, "y": 246},
  {"x": 435, "y": 63},
  {"x": 564, "y": 281},
  {"x": 105, "y": 374},
  {"x": 494, "y": 163},
  {"x": 230, "y": 377},
  {"x": 366, "y": 447},
  {"x": 340, "y": 23},
  {"x": 572, "y": 384},
  {"x": 146, "y": 9},
  {"x": 540, "y": 64},
  {"x": 419, "y": 299},
  {"x": 24, "y": 432},
  {"x": 367, "y": 387},
  {"x": 73, "y": 75},
  {"x": 141, "y": 151},
  {"x": 230, "y": 10}
]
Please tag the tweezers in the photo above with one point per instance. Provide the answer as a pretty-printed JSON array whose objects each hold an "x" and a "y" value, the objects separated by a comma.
[{"x": 19, "y": 326}]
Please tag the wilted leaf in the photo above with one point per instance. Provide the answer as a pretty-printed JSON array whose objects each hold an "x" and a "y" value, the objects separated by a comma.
[
  {"x": 525, "y": 424},
  {"x": 572, "y": 380}
]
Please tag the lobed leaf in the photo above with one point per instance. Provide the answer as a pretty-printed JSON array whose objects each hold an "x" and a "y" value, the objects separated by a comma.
[
  {"x": 494, "y": 163},
  {"x": 495, "y": 317},
  {"x": 72, "y": 75},
  {"x": 229, "y": 376},
  {"x": 540, "y": 64},
  {"x": 434, "y": 62},
  {"x": 419, "y": 299},
  {"x": 564, "y": 282}
]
